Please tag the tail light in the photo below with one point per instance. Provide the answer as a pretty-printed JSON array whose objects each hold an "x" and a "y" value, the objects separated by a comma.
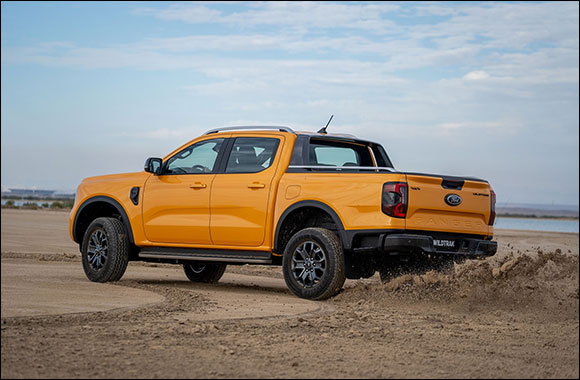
[
  {"x": 394, "y": 202},
  {"x": 492, "y": 214}
]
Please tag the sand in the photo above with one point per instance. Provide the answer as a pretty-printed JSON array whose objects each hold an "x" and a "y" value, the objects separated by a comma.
[{"x": 512, "y": 315}]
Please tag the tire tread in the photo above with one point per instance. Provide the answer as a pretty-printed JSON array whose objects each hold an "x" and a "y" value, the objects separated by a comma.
[
  {"x": 118, "y": 255},
  {"x": 332, "y": 246},
  {"x": 210, "y": 275}
]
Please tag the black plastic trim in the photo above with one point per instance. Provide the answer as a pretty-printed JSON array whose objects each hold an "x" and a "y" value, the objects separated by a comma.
[
  {"x": 134, "y": 195},
  {"x": 316, "y": 204},
  {"x": 215, "y": 255},
  {"x": 411, "y": 243},
  {"x": 300, "y": 149},
  {"x": 147, "y": 166},
  {"x": 407, "y": 242},
  {"x": 111, "y": 201},
  {"x": 223, "y": 156},
  {"x": 451, "y": 184},
  {"x": 343, "y": 138},
  {"x": 448, "y": 177},
  {"x": 352, "y": 236}
]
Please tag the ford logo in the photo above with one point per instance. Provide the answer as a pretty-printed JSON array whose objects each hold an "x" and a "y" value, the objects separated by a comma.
[{"x": 453, "y": 199}]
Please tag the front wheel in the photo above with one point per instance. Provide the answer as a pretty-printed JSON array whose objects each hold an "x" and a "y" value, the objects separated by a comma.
[
  {"x": 202, "y": 272},
  {"x": 313, "y": 264},
  {"x": 105, "y": 250}
]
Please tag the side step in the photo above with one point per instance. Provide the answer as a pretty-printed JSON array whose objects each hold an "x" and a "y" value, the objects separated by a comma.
[{"x": 218, "y": 255}]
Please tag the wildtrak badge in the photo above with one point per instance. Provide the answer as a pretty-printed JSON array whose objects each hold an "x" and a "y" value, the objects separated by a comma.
[{"x": 444, "y": 243}]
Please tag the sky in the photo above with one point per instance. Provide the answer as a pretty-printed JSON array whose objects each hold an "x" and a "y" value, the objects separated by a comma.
[{"x": 478, "y": 89}]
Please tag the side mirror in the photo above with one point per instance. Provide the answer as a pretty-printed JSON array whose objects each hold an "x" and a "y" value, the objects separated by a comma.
[{"x": 153, "y": 165}]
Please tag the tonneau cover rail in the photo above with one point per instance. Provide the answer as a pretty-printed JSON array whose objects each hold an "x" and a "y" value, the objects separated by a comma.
[{"x": 323, "y": 167}]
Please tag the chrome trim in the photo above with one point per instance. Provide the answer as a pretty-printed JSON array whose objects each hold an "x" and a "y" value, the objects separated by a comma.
[
  {"x": 375, "y": 168},
  {"x": 261, "y": 127}
]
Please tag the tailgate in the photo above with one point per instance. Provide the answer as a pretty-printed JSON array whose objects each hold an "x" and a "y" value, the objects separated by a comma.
[{"x": 448, "y": 204}]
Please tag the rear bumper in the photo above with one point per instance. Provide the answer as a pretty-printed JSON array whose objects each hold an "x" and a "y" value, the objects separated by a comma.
[{"x": 410, "y": 243}]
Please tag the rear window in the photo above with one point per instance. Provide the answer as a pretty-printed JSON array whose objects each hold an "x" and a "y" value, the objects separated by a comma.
[{"x": 338, "y": 153}]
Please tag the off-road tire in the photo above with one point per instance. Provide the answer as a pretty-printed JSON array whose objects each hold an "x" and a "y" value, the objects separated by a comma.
[
  {"x": 204, "y": 272},
  {"x": 113, "y": 251},
  {"x": 332, "y": 277}
]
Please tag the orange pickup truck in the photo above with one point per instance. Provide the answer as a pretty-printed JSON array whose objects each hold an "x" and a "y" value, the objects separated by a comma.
[{"x": 325, "y": 207}]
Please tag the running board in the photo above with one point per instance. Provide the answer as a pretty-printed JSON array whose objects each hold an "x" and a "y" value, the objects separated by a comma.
[{"x": 216, "y": 255}]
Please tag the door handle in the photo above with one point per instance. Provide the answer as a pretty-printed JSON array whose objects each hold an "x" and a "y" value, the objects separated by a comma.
[
  {"x": 256, "y": 185},
  {"x": 198, "y": 185}
]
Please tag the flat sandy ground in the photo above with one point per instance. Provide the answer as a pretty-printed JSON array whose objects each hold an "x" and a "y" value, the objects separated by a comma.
[{"x": 514, "y": 315}]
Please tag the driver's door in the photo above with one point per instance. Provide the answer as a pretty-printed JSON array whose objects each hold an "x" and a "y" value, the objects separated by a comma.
[{"x": 176, "y": 202}]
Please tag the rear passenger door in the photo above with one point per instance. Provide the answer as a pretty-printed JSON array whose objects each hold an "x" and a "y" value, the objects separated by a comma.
[{"x": 240, "y": 196}]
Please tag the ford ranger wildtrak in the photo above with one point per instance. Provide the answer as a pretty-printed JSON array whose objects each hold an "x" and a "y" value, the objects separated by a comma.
[{"x": 324, "y": 207}]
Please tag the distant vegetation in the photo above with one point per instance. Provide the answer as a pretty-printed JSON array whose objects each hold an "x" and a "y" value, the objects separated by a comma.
[
  {"x": 9, "y": 204},
  {"x": 67, "y": 203},
  {"x": 509, "y": 215},
  {"x": 30, "y": 206},
  {"x": 544, "y": 212},
  {"x": 36, "y": 198},
  {"x": 55, "y": 205}
]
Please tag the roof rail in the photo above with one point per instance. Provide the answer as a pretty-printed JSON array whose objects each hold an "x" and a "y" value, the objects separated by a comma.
[{"x": 281, "y": 129}]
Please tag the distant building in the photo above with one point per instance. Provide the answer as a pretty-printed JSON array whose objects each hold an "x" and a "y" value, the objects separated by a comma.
[
  {"x": 64, "y": 195},
  {"x": 29, "y": 193},
  {"x": 8, "y": 193}
]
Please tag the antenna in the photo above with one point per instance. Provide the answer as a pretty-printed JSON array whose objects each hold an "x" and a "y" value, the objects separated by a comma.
[{"x": 323, "y": 130}]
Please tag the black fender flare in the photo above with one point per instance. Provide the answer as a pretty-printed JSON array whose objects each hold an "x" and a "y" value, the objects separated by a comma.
[
  {"x": 316, "y": 204},
  {"x": 112, "y": 202}
]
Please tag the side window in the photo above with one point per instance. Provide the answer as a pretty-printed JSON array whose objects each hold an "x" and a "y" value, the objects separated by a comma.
[
  {"x": 198, "y": 158},
  {"x": 252, "y": 154},
  {"x": 335, "y": 156},
  {"x": 334, "y": 153}
]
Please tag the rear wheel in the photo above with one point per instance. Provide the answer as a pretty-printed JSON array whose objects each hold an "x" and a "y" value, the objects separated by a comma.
[
  {"x": 203, "y": 272},
  {"x": 313, "y": 264},
  {"x": 105, "y": 250}
]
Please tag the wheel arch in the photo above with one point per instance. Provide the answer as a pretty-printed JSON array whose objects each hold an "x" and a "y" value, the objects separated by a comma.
[
  {"x": 308, "y": 204},
  {"x": 95, "y": 207}
]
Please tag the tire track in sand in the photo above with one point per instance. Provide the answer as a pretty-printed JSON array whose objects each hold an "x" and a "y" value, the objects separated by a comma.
[{"x": 32, "y": 288}]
